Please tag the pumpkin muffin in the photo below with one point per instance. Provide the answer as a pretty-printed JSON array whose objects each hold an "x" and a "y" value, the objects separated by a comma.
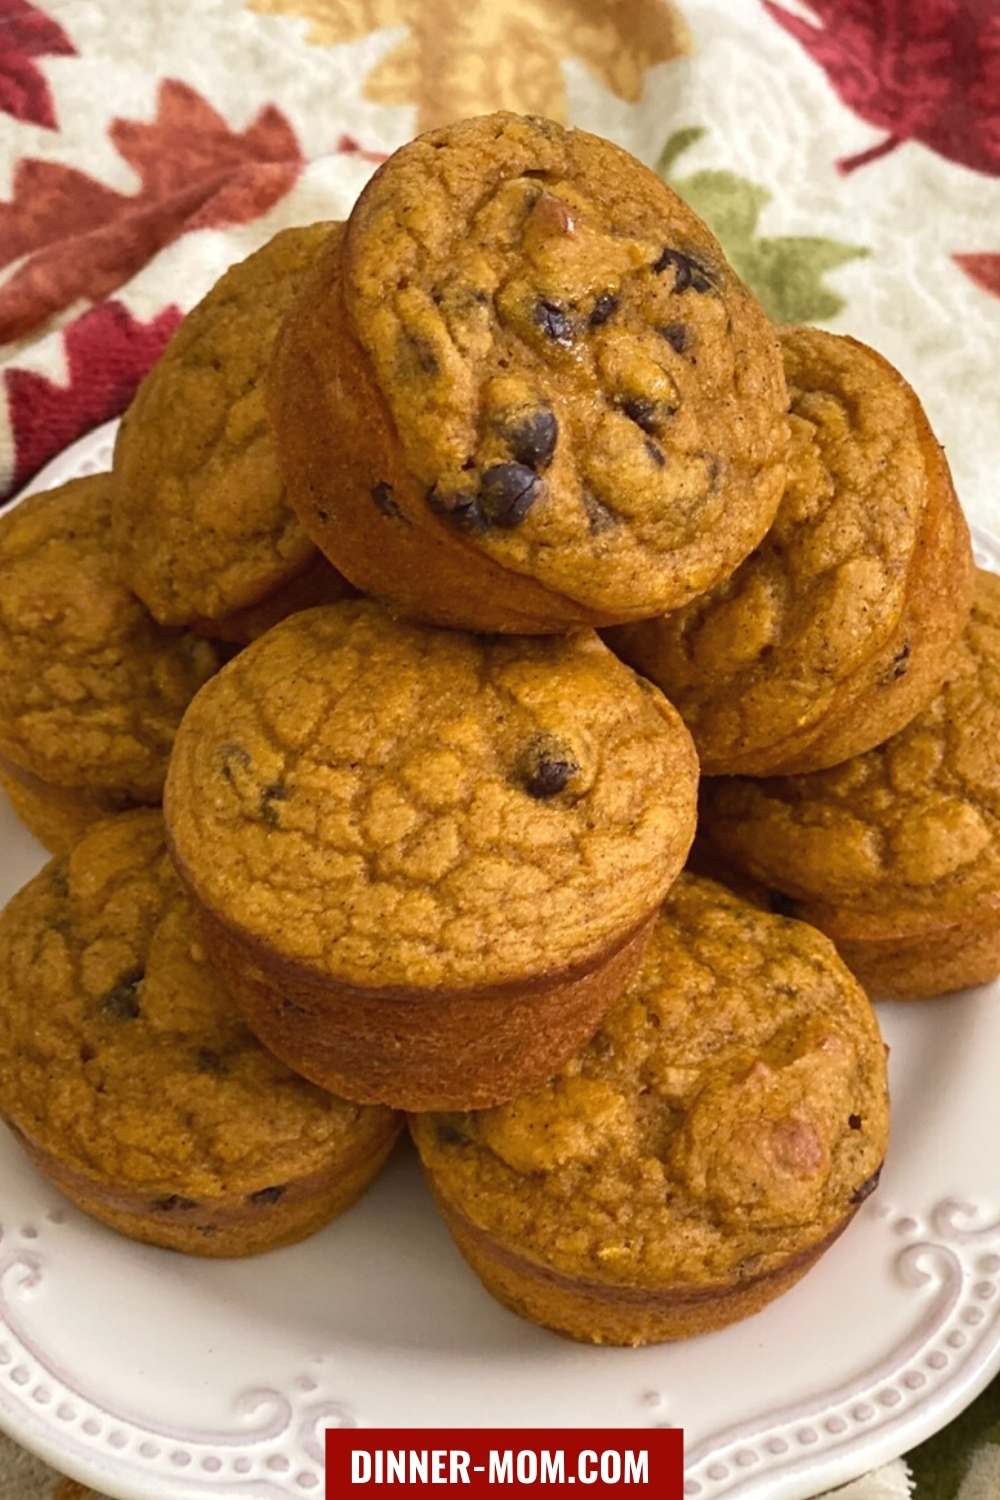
[
  {"x": 702, "y": 1152},
  {"x": 526, "y": 391},
  {"x": 133, "y": 1084},
  {"x": 428, "y": 861},
  {"x": 838, "y": 629},
  {"x": 896, "y": 853},
  {"x": 202, "y": 524},
  {"x": 91, "y": 688}
]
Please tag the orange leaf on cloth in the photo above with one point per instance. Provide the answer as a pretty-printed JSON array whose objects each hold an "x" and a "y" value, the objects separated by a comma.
[
  {"x": 79, "y": 238},
  {"x": 26, "y": 33},
  {"x": 982, "y": 268}
]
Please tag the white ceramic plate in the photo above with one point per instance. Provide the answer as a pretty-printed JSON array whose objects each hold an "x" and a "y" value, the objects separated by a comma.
[{"x": 155, "y": 1377}]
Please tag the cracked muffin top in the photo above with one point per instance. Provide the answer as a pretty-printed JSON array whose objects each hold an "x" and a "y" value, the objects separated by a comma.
[
  {"x": 202, "y": 524},
  {"x": 731, "y": 1112},
  {"x": 392, "y": 805},
  {"x": 582, "y": 388},
  {"x": 910, "y": 827},
  {"x": 91, "y": 688},
  {"x": 838, "y": 628},
  {"x": 120, "y": 1052}
]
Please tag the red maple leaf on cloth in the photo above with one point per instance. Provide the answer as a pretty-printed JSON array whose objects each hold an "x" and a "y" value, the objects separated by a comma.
[
  {"x": 921, "y": 70},
  {"x": 107, "y": 352},
  {"x": 983, "y": 268},
  {"x": 27, "y": 33},
  {"x": 78, "y": 238}
]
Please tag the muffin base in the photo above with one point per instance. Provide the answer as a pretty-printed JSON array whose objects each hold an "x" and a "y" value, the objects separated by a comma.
[
  {"x": 420, "y": 1049},
  {"x": 317, "y": 583},
  {"x": 226, "y": 1227},
  {"x": 57, "y": 816},
  {"x": 919, "y": 964},
  {"x": 619, "y": 1315}
]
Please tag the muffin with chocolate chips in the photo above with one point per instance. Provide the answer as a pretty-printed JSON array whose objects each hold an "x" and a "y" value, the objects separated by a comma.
[
  {"x": 428, "y": 862},
  {"x": 896, "y": 853},
  {"x": 701, "y": 1153},
  {"x": 132, "y": 1083},
  {"x": 91, "y": 687},
  {"x": 526, "y": 391},
  {"x": 839, "y": 628},
  {"x": 203, "y": 528}
]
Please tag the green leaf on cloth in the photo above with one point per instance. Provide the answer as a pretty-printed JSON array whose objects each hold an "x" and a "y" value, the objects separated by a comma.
[{"x": 785, "y": 271}]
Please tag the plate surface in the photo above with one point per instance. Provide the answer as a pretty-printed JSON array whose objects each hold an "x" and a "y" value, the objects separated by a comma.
[{"x": 155, "y": 1377}]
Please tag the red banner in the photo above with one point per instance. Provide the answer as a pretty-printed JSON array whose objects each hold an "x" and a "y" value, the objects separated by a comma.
[{"x": 473, "y": 1462}]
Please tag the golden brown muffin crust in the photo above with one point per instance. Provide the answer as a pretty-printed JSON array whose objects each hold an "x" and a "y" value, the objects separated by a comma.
[
  {"x": 120, "y": 1053},
  {"x": 201, "y": 520},
  {"x": 91, "y": 688},
  {"x": 838, "y": 628},
  {"x": 729, "y": 1114},
  {"x": 391, "y": 805},
  {"x": 581, "y": 389},
  {"x": 902, "y": 839}
]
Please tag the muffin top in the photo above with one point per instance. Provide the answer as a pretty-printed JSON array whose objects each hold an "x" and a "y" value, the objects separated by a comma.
[
  {"x": 120, "y": 1052},
  {"x": 396, "y": 806},
  {"x": 910, "y": 827},
  {"x": 202, "y": 524},
  {"x": 812, "y": 618},
  {"x": 582, "y": 387},
  {"x": 731, "y": 1112},
  {"x": 91, "y": 688}
]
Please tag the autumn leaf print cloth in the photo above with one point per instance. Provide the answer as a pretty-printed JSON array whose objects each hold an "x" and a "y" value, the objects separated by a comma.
[{"x": 847, "y": 153}]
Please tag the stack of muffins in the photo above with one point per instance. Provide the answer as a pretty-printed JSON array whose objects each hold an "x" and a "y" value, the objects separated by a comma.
[{"x": 424, "y": 832}]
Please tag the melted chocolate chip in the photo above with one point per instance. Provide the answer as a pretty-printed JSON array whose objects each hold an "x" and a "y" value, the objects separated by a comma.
[
  {"x": 676, "y": 335},
  {"x": 867, "y": 1188},
  {"x": 656, "y": 453},
  {"x": 264, "y": 1197},
  {"x": 450, "y": 1135},
  {"x": 533, "y": 438},
  {"x": 546, "y": 770},
  {"x": 174, "y": 1204},
  {"x": 507, "y": 493},
  {"x": 457, "y": 506},
  {"x": 688, "y": 272},
  {"x": 122, "y": 1002},
  {"x": 324, "y": 515},
  {"x": 233, "y": 755},
  {"x": 268, "y": 797},
  {"x": 600, "y": 517},
  {"x": 211, "y": 1062},
  {"x": 606, "y": 304},
  {"x": 554, "y": 322},
  {"x": 900, "y": 662},
  {"x": 207, "y": 1231},
  {"x": 854, "y": 1121},
  {"x": 417, "y": 353},
  {"x": 382, "y": 495},
  {"x": 643, "y": 412}
]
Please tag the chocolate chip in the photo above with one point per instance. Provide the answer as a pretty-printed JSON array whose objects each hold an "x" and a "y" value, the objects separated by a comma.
[
  {"x": 122, "y": 1002},
  {"x": 642, "y": 411},
  {"x": 533, "y": 438},
  {"x": 382, "y": 495},
  {"x": 264, "y": 1197},
  {"x": 457, "y": 506},
  {"x": 450, "y": 1135},
  {"x": 606, "y": 304},
  {"x": 676, "y": 335},
  {"x": 780, "y": 904},
  {"x": 688, "y": 272},
  {"x": 211, "y": 1062},
  {"x": 507, "y": 493},
  {"x": 546, "y": 771},
  {"x": 324, "y": 515},
  {"x": 268, "y": 797},
  {"x": 656, "y": 453},
  {"x": 600, "y": 517},
  {"x": 174, "y": 1204},
  {"x": 233, "y": 755},
  {"x": 900, "y": 661},
  {"x": 554, "y": 322},
  {"x": 854, "y": 1121},
  {"x": 867, "y": 1188}
]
